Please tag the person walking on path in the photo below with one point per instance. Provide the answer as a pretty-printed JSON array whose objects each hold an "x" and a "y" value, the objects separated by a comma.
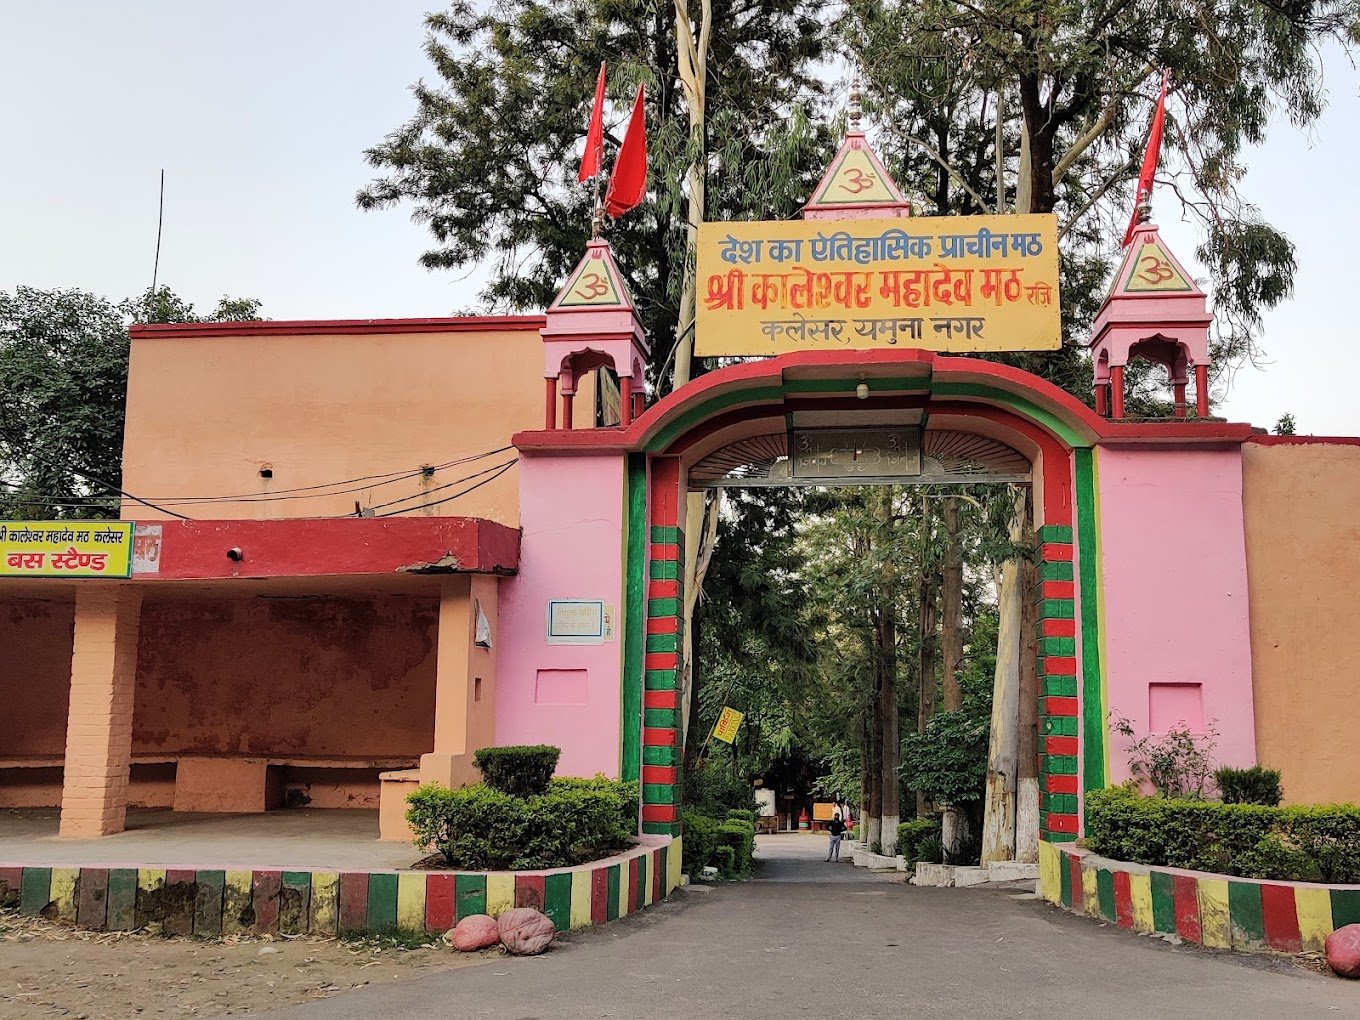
[{"x": 837, "y": 830}]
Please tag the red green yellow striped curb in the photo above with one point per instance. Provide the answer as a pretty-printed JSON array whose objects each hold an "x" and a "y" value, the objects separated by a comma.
[
  {"x": 211, "y": 902},
  {"x": 1218, "y": 911}
]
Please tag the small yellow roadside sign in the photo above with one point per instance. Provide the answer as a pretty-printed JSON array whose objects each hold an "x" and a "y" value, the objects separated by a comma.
[{"x": 728, "y": 722}]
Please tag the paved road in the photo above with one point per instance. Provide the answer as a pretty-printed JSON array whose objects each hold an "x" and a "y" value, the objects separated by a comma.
[{"x": 825, "y": 940}]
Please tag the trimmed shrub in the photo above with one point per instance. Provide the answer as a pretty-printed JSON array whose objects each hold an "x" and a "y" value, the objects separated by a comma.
[
  {"x": 523, "y": 770},
  {"x": 728, "y": 845},
  {"x": 740, "y": 837},
  {"x": 701, "y": 839},
  {"x": 1247, "y": 840},
  {"x": 1255, "y": 785},
  {"x": 910, "y": 836},
  {"x": 478, "y": 828},
  {"x": 742, "y": 815}
]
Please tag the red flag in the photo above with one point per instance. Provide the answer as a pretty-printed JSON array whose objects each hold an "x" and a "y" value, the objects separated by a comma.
[
  {"x": 1150, "y": 159},
  {"x": 628, "y": 183},
  {"x": 594, "y": 154}
]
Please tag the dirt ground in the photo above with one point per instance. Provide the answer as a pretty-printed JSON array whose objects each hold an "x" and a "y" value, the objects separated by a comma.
[{"x": 48, "y": 970}]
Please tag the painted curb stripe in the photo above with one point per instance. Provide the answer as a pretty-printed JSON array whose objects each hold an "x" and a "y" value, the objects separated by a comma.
[
  {"x": 470, "y": 895},
  {"x": 209, "y": 892},
  {"x": 325, "y": 919},
  {"x": 93, "y": 901},
  {"x": 238, "y": 908},
  {"x": 1163, "y": 903},
  {"x": 582, "y": 899},
  {"x": 295, "y": 902},
  {"x": 439, "y": 910},
  {"x": 411, "y": 901},
  {"x": 531, "y": 891},
  {"x": 500, "y": 893},
  {"x": 266, "y": 901},
  {"x": 1187, "y": 907},
  {"x": 1280, "y": 919},
  {"x": 557, "y": 899},
  {"x": 353, "y": 901},
  {"x": 599, "y": 896},
  {"x": 382, "y": 902},
  {"x": 1245, "y": 914}
]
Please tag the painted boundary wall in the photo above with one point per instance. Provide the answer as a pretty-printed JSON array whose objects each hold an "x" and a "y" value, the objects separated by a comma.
[
  {"x": 1218, "y": 911},
  {"x": 208, "y": 902}
]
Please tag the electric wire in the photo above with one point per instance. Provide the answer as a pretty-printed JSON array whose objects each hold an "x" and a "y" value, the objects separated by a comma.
[
  {"x": 391, "y": 476},
  {"x": 424, "y": 506},
  {"x": 299, "y": 492},
  {"x": 438, "y": 488},
  {"x": 108, "y": 485}
]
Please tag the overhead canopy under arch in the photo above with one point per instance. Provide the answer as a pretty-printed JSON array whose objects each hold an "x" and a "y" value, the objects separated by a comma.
[{"x": 945, "y": 456}]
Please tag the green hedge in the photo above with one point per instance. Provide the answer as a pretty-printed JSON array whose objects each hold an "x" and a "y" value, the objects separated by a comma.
[
  {"x": 1300, "y": 844},
  {"x": 917, "y": 840},
  {"x": 728, "y": 845},
  {"x": 522, "y": 770},
  {"x": 477, "y": 828}
]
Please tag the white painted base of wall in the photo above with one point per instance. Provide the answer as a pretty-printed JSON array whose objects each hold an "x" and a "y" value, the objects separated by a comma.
[{"x": 1012, "y": 871}]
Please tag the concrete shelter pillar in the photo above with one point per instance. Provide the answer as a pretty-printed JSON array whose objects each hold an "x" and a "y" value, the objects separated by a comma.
[
  {"x": 465, "y": 680},
  {"x": 99, "y": 724}
]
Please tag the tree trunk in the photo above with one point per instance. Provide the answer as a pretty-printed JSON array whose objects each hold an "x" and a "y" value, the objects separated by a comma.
[
  {"x": 886, "y": 667},
  {"x": 873, "y": 818},
  {"x": 998, "y": 821},
  {"x": 927, "y": 592},
  {"x": 692, "y": 61},
  {"x": 867, "y": 778},
  {"x": 1027, "y": 765},
  {"x": 951, "y": 607},
  {"x": 1037, "y": 129},
  {"x": 954, "y": 832}
]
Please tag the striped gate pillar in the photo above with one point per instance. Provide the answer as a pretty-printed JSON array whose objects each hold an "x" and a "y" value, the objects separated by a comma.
[
  {"x": 662, "y": 742},
  {"x": 1058, "y": 718}
]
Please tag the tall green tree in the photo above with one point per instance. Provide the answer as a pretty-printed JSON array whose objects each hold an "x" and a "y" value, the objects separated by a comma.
[
  {"x": 489, "y": 159},
  {"x": 1043, "y": 106},
  {"x": 63, "y": 382}
]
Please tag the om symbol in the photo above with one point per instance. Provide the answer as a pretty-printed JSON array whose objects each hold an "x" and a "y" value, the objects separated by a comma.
[
  {"x": 1155, "y": 270},
  {"x": 592, "y": 285},
  {"x": 860, "y": 180}
]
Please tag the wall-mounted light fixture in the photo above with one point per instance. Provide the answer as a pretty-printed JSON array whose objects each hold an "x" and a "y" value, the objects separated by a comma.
[{"x": 862, "y": 390}]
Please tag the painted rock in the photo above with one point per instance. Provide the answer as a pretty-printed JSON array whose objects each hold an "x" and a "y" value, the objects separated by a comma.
[
  {"x": 526, "y": 931},
  {"x": 1343, "y": 951},
  {"x": 476, "y": 931}
]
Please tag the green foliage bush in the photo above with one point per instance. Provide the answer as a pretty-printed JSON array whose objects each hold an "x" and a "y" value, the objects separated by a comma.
[
  {"x": 1255, "y": 785},
  {"x": 911, "y": 835},
  {"x": 742, "y": 815},
  {"x": 713, "y": 791},
  {"x": 728, "y": 845},
  {"x": 479, "y": 828},
  {"x": 522, "y": 770},
  {"x": 1248, "y": 840},
  {"x": 948, "y": 763},
  {"x": 930, "y": 850}
]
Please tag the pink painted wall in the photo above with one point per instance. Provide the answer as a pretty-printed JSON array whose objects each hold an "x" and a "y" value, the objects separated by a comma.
[
  {"x": 1174, "y": 572},
  {"x": 571, "y": 510}
]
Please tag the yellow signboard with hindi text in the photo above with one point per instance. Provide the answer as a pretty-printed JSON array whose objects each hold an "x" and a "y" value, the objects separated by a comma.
[
  {"x": 66, "y": 549},
  {"x": 947, "y": 283},
  {"x": 728, "y": 724}
]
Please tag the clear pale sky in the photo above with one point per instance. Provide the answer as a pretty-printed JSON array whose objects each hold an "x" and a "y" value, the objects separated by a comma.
[{"x": 259, "y": 113}]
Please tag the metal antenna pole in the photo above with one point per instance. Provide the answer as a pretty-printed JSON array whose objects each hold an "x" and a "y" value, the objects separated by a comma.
[{"x": 160, "y": 222}]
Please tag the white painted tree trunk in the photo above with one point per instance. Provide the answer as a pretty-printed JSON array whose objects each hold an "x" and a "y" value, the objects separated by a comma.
[
  {"x": 1027, "y": 820},
  {"x": 874, "y": 833},
  {"x": 953, "y": 832},
  {"x": 1003, "y": 752}
]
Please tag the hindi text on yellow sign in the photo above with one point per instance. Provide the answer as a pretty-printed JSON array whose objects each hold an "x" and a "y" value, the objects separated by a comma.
[
  {"x": 950, "y": 283},
  {"x": 66, "y": 548}
]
